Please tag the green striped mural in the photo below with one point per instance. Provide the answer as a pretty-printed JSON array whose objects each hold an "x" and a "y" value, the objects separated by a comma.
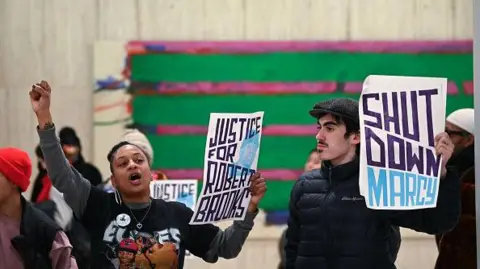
[{"x": 177, "y": 85}]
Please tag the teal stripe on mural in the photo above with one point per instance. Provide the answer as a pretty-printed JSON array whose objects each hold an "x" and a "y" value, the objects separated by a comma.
[
  {"x": 281, "y": 109},
  {"x": 195, "y": 110},
  {"x": 296, "y": 66}
]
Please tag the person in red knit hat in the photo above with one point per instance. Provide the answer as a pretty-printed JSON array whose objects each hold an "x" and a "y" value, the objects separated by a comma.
[{"x": 28, "y": 237}]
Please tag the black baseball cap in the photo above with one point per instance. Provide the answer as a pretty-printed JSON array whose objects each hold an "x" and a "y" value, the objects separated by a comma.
[{"x": 343, "y": 107}]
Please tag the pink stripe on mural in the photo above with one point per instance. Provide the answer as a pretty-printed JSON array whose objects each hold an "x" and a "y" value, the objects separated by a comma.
[
  {"x": 181, "y": 130},
  {"x": 459, "y": 46},
  {"x": 293, "y": 130},
  {"x": 167, "y": 88},
  {"x": 353, "y": 87},
  {"x": 274, "y": 88},
  {"x": 452, "y": 88},
  {"x": 356, "y": 87},
  {"x": 277, "y": 174},
  {"x": 273, "y": 130},
  {"x": 468, "y": 87}
]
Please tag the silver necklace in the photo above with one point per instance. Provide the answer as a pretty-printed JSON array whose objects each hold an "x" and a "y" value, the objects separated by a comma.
[{"x": 139, "y": 223}]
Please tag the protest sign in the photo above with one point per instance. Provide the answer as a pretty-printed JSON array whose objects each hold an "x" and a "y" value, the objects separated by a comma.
[
  {"x": 399, "y": 119},
  {"x": 179, "y": 190},
  {"x": 231, "y": 156}
]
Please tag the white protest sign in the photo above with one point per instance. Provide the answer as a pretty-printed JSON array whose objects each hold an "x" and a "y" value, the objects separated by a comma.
[
  {"x": 399, "y": 119},
  {"x": 231, "y": 156},
  {"x": 179, "y": 190}
]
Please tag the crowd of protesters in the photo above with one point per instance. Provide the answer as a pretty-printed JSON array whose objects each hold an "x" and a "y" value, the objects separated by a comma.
[{"x": 74, "y": 216}]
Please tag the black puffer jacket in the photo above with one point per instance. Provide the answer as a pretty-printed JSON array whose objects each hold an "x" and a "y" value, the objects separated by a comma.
[{"x": 330, "y": 226}]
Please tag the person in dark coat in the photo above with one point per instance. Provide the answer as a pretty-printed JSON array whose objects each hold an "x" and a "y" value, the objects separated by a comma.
[
  {"x": 41, "y": 198},
  {"x": 458, "y": 248},
  {"x": 330, "y": 226},
  {"x": 73, "y": 151}
]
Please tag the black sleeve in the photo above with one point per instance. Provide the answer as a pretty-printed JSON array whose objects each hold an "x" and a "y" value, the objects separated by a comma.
[
  {"x": 96, "y": 209},
  {"x": 199, "y": 237},
  {"x": 293, "y": 231},
  {"x": 95, "y": 177},
  {"x": 282, "y": 243},
  {"x": 436, "y": 220}
]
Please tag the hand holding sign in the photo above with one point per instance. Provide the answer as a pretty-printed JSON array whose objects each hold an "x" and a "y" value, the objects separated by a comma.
[
  {"x": 444, "y": 147},
  {"x": 258, "y": 188}
]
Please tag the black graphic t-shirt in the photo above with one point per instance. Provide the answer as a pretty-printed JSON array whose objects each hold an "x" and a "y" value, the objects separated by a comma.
[{"x": 158, "y": 243}]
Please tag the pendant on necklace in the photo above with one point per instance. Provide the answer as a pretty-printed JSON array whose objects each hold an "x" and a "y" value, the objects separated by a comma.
[{"x": 139, "y": 226}]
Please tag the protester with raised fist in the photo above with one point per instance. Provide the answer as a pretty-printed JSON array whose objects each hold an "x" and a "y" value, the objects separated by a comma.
[{"x": 160, "y": 230}]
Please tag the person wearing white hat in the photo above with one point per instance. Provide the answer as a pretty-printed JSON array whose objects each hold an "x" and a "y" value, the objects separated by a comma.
[
  {"x": 456, "y": 249},
  {"x": 139, "y": 139},
  {"x": 460, "y": 126}
]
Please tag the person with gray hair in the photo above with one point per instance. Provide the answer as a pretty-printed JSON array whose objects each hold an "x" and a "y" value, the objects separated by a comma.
[{"x": 135, "y": 137}]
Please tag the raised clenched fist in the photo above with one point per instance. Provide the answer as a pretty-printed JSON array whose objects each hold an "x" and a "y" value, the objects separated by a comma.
[{"x": 40, "y": 97}]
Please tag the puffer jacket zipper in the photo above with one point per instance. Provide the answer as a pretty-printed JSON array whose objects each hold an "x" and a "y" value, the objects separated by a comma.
[{"x": 327, "y": 223}]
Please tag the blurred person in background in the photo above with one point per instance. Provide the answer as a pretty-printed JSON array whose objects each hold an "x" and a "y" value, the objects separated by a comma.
[
  {"x": 73, "y": 151},
  {"x": 50, "y": 201},
  {"x": 42, "y": 183},
  {"x": 458, "y": 248},
  {"x": 42, "y": 187},
  {"x": 139, "y": 139},
  {"x": 28, "y": 237},
  {"x": 313, "y": 162}
]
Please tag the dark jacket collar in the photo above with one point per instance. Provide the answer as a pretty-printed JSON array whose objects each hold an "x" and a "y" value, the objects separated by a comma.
[
  {"x": 37, "y": 232},
  {"x": 340, "y": 172},
  {"x": 20, "y": 242},
  {"x": 25, "y": 211}
]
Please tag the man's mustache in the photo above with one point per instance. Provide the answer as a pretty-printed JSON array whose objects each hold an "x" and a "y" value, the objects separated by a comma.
[{"x": 322, "y": 143}]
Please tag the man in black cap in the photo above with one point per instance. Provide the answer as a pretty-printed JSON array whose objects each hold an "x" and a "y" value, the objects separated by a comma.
[
  {"x": 330, "y": 226},
  {"x": 73, "y": 151}
]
